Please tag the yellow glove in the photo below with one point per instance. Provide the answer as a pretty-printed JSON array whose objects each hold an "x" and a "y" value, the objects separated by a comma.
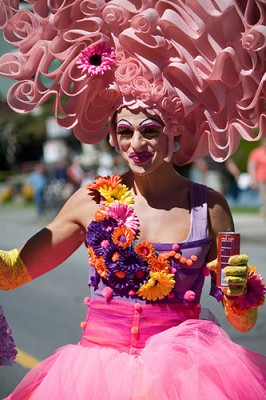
[
  {"x": 236, "y": 274},
  {"x": 246, "y": 288},
  {"x": 13, "y": 271}
]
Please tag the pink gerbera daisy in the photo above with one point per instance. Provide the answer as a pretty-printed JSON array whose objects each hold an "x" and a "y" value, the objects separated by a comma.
[
  {"x": 254, "y": 293},
  {"x": 124, "y": 215},
  {"x": 96, "y": 59}
]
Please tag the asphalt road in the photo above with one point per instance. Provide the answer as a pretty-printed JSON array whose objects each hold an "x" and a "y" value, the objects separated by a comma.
[{"x": 46, "y": 313}]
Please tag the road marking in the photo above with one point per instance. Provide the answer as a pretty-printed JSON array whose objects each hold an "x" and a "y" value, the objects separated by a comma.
[{"x": 26, "y": 360}]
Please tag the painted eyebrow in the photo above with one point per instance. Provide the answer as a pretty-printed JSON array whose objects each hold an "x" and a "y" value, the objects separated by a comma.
[{"x": 123, "y": 121}]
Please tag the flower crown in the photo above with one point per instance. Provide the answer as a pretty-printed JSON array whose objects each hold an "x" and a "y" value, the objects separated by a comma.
[
  {"x": 198, "y": 65},
  {"x": 126, "y": 266}
]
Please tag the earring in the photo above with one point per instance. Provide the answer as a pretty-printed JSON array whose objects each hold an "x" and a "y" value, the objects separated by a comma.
[
  {"x": 117, "y": 148},
  {"x": 176, "y": 146}
]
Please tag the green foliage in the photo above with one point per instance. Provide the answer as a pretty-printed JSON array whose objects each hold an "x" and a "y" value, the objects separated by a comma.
[
  {"x": 25, "y": 127},
  {"x": 244, "y": 210},
  {"x": 4, "y": 175},
  {"x": 241, "y": 155},
  {"x": 19, "y": 131}
]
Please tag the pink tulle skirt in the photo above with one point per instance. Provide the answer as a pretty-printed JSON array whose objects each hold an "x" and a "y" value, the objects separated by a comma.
[{"x": 147, "y": 352}]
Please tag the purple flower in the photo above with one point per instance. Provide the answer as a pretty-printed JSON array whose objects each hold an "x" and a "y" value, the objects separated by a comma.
[
  {"x": 132, "y": 260},
  {"x": 112, "y": 256},
  {"x": 117, "y": 277},
  {"x": 94, "y": 281},
  {"x": 96, "y": 59},
  {"x": 137, "y": 270},
  {"x": 99, "y": 234},
  {"x": 126, "y": 270}
]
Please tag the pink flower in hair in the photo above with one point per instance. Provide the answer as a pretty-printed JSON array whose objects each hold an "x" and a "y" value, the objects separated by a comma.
[{"x": 97, "y": 59}]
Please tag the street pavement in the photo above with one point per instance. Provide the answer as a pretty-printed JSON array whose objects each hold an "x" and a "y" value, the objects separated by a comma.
[{"x": 46, "y": 313}]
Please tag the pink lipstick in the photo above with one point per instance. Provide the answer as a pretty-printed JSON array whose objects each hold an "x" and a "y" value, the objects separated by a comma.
[{"x": 140, "y": 157}]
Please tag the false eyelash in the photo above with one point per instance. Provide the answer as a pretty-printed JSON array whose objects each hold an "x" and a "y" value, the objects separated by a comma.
[{"x": 123, "y": 127}]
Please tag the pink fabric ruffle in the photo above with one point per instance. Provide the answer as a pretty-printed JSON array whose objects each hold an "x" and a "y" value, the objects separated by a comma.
[
  {"x": 195, "y": 360},
  {"x": 201, "y": 63}
]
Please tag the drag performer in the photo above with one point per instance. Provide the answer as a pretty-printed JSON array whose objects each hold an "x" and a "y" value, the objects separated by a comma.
[{"x": 169, "y": 81}]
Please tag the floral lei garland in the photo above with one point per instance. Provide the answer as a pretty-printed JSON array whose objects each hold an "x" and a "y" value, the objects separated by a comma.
[
  {"x": 129, "y": 267},
  {"x": 126, "y": 266}
]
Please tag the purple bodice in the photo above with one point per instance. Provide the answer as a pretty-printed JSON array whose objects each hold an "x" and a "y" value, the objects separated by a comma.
[{"x": 196, "y": 244}]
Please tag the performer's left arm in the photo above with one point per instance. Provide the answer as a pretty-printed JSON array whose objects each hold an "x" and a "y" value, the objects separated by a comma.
[{"x": 246, "y": 289}]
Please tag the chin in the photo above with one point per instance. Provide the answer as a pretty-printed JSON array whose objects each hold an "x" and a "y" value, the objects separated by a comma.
[{"x": 144, "y": 170}]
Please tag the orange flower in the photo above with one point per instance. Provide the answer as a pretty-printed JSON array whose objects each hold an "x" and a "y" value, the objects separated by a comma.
[
  {"x": 101, "y": 267},
  {"x": 101, "y": 214},
  {"x": 159, "y": 264},
  {"x": 106, "y": 182},
  {"x": 123, "y": 236},
  {"x": 97, "y": 262},
  {"x": 92, "y": 256},
  {"x": 145, "y": 250}
]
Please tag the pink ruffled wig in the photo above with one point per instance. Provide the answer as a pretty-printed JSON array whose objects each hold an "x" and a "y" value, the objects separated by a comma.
[{"x": 198, "y": 64}]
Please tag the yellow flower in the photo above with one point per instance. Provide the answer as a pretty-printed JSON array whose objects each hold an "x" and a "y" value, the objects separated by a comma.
[
  {"x": 119, "y": 193},
  {"x": 158, "y": 286}
]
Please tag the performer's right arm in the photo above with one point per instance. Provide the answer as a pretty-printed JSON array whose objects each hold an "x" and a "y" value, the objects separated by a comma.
[{"x": 51, "y": 246}]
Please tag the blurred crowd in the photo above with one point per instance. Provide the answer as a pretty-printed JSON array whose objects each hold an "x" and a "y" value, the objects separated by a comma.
[
  {"x": 227, "y": 178},
  {"x": 53, "y": 184},
  {"x": 50, "y": 185}
]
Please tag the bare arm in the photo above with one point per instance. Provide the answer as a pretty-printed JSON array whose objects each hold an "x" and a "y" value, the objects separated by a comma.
[
  {"x": 220, "y": 220},
  {"x": 63, "y": 236}
]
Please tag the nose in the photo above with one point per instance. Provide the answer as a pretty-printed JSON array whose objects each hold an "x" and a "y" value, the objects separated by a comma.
[{"x": 137, "y": 140}]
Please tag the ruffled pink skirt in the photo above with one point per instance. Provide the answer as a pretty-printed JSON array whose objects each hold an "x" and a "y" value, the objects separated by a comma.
[{"x": 148, "y": 352}]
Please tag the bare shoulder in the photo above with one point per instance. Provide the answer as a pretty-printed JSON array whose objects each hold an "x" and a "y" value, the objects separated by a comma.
[
  {"x": 79, "y": 209},
  {"x": 219, "y": 212},
  {"x": 52, "y": 245},
  {"x": 220, "y": 220}
]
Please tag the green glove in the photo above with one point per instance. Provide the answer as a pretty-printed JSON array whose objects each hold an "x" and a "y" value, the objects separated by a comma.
[{"x": 236, "y": 274}]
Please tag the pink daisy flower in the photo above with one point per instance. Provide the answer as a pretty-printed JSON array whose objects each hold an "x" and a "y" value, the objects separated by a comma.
[
  {"x": 254, "y": 293},
  {"x": 96, "y": 59},
  {"x": 124, "y": 215}
]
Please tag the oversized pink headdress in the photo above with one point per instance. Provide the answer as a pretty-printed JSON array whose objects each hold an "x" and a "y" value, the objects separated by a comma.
[{"x": 198, "y": 64}]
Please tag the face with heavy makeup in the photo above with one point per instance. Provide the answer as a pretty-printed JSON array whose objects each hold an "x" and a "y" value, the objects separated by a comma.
[{"x": 140, "y": 140}]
